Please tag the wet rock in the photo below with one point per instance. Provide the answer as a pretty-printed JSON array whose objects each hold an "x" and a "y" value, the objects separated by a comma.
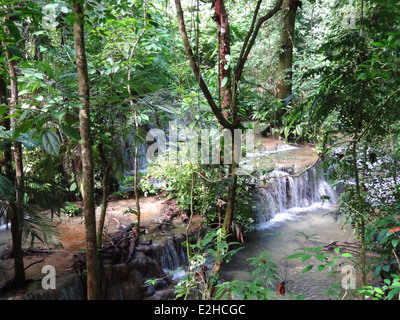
[
  {"x": 122, "y": 282},
  {"x": 167, "y": 294}
]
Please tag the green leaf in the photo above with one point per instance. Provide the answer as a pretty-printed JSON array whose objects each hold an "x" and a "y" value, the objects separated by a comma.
[
  {"x": 13, "y": 30},
  {"x": 347, "y": 255},
  {"x": 287, "y": 131},
  {"x": 393, "y": 292},
  {"x": 321, "y": 256},
  {"x": 321, "y": 267},
  {"x": 46, "y": 67},
  {"x": 306, "y": 257},
  {"x": 295, "y": 256},
  {"x": 51, "y": 142},
  {"x": 59, "y": 115},
  {"x": 14, "y": 51},
  {"x": 72, "y": 133},
  {"x": 3, "y": 110},
  {"x": 395, "y": 242},
  {"x": 224, "y": 81},
  {"x": 377, "y": 271},
  {"x": 386, "y": 267},
  {"x": 318, "y": 249},
  {"x": 308, "y": 268},
  {"x": 73, "y": 186},
  {"x": 336, "y": 250},
  {"x": 23, "y": 127},
  {"x": 6, "y": 187}
]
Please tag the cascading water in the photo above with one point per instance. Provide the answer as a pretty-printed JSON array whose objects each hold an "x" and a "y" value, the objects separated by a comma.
[
  {"x": 288, "y": 209},
  {"x": 285, "y": 196}
]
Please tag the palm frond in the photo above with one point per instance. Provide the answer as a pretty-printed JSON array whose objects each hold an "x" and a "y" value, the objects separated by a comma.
[
  {"x": 7, "y": 189},
  {"x": 38, "y": 225}
]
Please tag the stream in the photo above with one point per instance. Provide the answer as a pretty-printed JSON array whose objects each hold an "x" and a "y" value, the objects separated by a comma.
[
  {"x": 314, "y": 220},
  {"x": 292, "y": 209}
]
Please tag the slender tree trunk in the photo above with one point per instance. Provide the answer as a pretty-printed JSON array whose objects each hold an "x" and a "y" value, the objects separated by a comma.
[
  {"x": 361, "y": 218},
  {"x": 136, "y": 161},
  {"x": 104, "y": 202},
  {"x": 224, "y": 50},
  {"x": 16, "y": 213},
  {"x": 92, "y": 258},
  {"x": 136, "y": 185},
  {"x": 285, "y": 60}
]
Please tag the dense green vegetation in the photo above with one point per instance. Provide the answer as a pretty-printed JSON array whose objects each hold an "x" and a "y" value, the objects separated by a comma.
[{"x": 75, "y": 113}]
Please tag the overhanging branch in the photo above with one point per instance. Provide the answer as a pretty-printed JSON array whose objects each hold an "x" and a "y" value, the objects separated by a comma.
[
  {"x": 182, "y": 30},
  {"x": 252, "y": 35}
]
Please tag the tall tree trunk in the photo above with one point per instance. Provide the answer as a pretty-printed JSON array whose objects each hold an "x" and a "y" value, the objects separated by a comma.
[
  {"x": 224, "y": 50},
  {"x": 285, "y": 60},
  {"x": 105, "y": 182},
  {"x": 16, "y": 212},
  {"x": 92, "y": 258},
  {"x": 134, "y": 109}
]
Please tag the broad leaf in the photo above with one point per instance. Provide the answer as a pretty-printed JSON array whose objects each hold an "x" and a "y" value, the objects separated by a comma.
[
  {"x": 51, "y": 142},
  {"x": 13, "y": 30},
  {"x": 72, "y": 133},
  {"x": 393, "y": 292}
]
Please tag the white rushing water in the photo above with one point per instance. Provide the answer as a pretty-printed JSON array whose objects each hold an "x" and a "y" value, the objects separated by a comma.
[
  {"x": 292, "y": 207},
  {"x": 286, "y": 197}
]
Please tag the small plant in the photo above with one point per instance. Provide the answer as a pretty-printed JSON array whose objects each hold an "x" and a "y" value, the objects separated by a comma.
[
  {"x": 261, "y": 286},
  {"x": 388, "y": 291},
  {"x": 72, "y": 210},
  {"x": 213, "y": 248}
]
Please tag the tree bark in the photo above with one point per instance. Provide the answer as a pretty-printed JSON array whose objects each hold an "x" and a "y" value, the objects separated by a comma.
[
  {"x": 104, "y": 202},
  {"x": 92, "y": 258},
  {"x": 16, "y": 213},
  {"x": 285, "y": 61},
  {"x": 224, "y": 50}
]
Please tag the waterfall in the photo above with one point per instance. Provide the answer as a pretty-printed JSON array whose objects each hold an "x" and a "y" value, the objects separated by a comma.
[
  {"x": 284, "y": 197},
  {"x": 168, "y": 252}
]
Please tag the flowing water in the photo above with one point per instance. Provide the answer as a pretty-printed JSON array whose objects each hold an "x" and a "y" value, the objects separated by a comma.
[
  {"x": 314, "y": 221},
  {"x": 298, "y": 210}
]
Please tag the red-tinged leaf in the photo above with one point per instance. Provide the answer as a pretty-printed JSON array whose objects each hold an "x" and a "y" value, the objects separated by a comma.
[{"x": 396, "y": 229}]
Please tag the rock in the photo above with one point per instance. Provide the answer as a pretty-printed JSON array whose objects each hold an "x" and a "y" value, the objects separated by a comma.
[
  {"x": 122, "y": 282},
  {"x": 167, "y": 294}
]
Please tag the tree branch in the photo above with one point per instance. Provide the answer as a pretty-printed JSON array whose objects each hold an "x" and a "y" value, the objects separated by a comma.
[
  {"x": 253, "y": 35},
  {"x": 182, "y": 30},
  {"x": 253, "y": 23}
]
